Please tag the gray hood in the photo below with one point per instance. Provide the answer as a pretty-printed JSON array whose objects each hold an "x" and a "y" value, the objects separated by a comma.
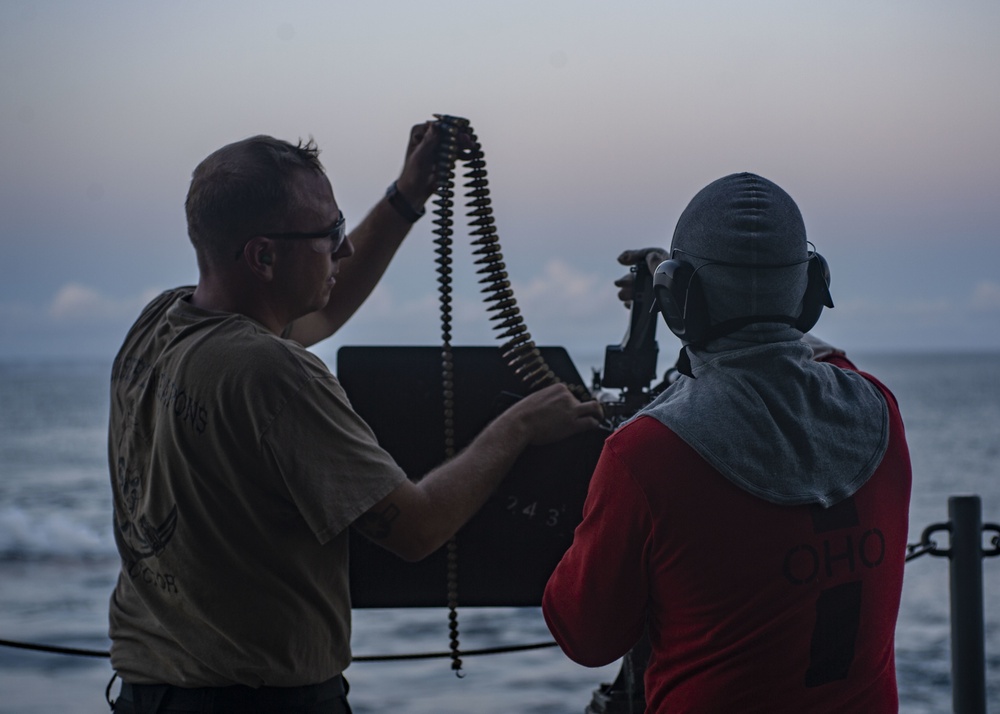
[{"x": 778, "y": 424}]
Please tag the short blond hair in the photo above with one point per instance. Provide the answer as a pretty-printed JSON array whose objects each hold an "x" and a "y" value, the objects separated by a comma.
[{"x": 242, "y": 186}]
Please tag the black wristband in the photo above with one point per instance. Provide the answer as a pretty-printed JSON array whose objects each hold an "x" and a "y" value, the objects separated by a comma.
[{"x": 402, "y": 206}]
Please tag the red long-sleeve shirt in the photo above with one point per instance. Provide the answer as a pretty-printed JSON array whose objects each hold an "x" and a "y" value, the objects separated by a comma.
[{"x": 751, "y": 606}]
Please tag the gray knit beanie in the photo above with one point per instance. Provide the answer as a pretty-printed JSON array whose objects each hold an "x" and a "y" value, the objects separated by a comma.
[{"x": 751, "y": 224}]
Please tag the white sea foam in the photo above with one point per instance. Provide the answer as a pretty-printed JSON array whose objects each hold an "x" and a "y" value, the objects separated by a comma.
[{"x": 33, "y": 535}]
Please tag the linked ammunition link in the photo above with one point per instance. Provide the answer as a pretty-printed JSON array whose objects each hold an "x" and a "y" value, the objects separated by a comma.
[
  {"x": 518, "y": 350},
  {"x": 444, "y": 187}
]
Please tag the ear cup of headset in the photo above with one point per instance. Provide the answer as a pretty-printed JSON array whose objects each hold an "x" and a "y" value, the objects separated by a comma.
[
  {"x": 680, "y": 299},
  {"x": 817, "y": 293}
]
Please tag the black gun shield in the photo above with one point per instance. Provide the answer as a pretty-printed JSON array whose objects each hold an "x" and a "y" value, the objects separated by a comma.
[{"x": 508, "y": 550}]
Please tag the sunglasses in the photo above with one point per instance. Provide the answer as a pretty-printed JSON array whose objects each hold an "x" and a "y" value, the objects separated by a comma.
[{"x": 335, "y": 236}]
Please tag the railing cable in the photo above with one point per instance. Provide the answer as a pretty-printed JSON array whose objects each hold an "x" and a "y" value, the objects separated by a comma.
[{"x": 54, "y": 649}]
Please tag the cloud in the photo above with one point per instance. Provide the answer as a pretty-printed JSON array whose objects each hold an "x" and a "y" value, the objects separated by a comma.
[
  {"x": 966, "y": 319},
  {"x": 78, "y": 321},
  {"x": 562, "y": 291},
  {"x": 80, "y": 302},
  {"x": 922, "y": 309},
  {"x": 561, "y": 304},
  {"x": 986, "y": 297}
]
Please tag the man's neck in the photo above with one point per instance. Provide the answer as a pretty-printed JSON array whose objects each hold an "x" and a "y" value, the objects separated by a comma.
[{"x": 208, "y": 296}]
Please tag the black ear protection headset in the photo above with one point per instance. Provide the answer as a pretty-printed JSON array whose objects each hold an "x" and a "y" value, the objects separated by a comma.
[{"x": 681, "y": 299}]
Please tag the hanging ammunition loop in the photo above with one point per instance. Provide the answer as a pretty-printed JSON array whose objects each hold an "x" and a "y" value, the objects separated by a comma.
[
  {"x": 518, "y": 350},
  {"x": 445, "y": 181}
]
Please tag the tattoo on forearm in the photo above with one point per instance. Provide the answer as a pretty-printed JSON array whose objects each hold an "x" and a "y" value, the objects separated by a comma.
[{"x": 378, "y": 525}]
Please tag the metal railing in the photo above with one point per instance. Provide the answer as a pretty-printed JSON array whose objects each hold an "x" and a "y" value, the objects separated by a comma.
[{"x": 965, "y": 581}]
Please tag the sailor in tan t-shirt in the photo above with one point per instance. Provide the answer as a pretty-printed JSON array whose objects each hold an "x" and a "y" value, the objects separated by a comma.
[{"x": 237, "y": 462}]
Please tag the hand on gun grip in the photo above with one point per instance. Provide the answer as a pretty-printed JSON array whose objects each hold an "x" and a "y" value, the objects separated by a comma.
[{"x": 652, "y": 256}]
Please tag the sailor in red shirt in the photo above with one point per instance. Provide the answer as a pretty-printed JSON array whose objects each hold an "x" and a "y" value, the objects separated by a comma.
[{"x": 753, "y": 518}]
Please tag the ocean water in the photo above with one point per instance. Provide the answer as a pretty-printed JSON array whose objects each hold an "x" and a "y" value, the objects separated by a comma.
[{"x": 58, "y": 562}]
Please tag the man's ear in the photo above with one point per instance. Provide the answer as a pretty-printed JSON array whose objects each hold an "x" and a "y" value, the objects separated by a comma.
[{"x": 259, "y": 254}]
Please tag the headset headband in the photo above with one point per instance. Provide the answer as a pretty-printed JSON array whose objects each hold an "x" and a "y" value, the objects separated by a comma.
[{"x": 711, "y": 261}]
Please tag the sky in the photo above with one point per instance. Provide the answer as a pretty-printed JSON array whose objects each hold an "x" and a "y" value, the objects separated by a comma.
[{"x": 599, "y": 122}]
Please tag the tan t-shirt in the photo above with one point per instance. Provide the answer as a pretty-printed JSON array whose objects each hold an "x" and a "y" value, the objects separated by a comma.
[{"x": 237, "y": 464}]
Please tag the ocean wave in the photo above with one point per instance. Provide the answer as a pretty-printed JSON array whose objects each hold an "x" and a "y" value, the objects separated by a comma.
[{"x": 26, "y": 534}]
